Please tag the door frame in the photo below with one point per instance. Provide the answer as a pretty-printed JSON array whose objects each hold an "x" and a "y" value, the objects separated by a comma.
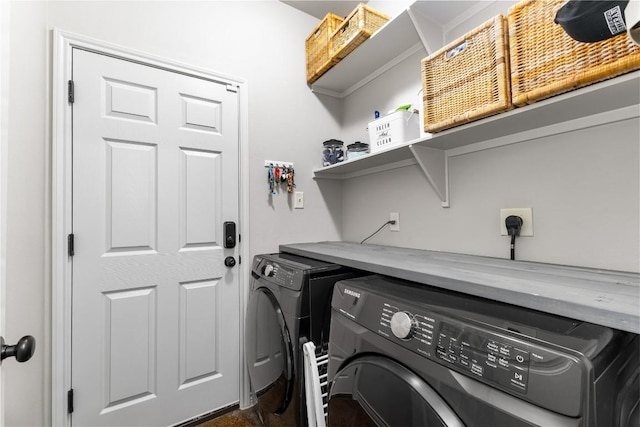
[{"x": 63, "y": 44}]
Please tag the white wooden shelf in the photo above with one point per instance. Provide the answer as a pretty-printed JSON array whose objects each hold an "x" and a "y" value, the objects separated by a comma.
[
  {"x": 605, "y": 102},
  {"x": 389, "y": 45},
  {"x": 421, "y": 27}
]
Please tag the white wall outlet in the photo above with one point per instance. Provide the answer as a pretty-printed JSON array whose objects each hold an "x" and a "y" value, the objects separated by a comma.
[
  {"x": 394, "y": 216},
  {"x": 298, "y": 200},
  {"x": 527, "y": 220}
]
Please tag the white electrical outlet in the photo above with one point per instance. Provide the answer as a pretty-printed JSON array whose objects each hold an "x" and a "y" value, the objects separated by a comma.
[
  {"x": 394, "y": 216},
  {"x": 298, "y": 200},
  {"x": 527, "y": 220}
]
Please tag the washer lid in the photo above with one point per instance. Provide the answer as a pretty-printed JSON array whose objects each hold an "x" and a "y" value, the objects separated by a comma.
[{"x": 301, "y": 263}]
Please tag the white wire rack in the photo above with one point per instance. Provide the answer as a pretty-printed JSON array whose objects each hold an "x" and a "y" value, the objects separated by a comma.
[{"x": 315, "y": 373}]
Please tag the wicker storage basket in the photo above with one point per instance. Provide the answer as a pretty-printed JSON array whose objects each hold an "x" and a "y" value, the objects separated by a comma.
[
  {"x": 545, "y": 61},
  {"x": 468, "y": 79},
  {"x": 319, "y": 58},
  {"x": 356, "y": 28}
]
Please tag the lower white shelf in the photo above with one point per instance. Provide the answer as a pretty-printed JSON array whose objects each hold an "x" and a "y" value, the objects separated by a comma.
[
  {"x": 605, "y": 102},
  {"x": 371, "y": 163}
]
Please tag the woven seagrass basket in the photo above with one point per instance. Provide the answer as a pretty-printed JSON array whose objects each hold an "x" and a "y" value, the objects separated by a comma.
[
  {"x": 545, "y": 61},
  {"x": 356, "y": 28},
  {"x": 319, "y": 58},
  {"x": 467, "y": 79}
]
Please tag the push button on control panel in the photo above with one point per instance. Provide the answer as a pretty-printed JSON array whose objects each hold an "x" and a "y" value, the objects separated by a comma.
[
  {"x": 520, "y": 357},
  {"x": 519, "y": 377}
]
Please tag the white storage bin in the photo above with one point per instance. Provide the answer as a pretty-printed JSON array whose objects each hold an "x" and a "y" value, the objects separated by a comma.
[{"x": 393, "y": 129}]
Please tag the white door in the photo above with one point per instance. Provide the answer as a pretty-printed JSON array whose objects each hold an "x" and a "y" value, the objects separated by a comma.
[{"x": 155, "y": 317}]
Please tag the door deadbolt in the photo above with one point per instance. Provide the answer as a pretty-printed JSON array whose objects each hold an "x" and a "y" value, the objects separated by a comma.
[{"x": 229, "y": 234}]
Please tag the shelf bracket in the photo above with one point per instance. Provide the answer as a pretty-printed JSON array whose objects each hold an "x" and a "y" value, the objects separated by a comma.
[{"x": 435, "y": 165}]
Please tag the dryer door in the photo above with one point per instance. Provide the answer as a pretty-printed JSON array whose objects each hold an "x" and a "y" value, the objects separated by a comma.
[
  {"x": 377, "y": 391},
  {"x": 269, "y": 352}
]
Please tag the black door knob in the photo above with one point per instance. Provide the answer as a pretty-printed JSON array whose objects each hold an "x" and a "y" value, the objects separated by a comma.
[
  {"x": 22, "y": 351},
  {"x": 229, "y": 261}
]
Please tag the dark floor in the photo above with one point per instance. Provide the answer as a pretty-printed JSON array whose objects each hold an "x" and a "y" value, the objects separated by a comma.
[{"x": 237, "y": 418}]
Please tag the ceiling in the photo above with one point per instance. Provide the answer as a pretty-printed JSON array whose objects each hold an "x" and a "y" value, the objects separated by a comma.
[
  {"x": 442, "y": 12},
  {"x": 320, "y": 8}
]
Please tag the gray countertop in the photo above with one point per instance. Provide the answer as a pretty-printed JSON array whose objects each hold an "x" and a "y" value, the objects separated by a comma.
[{"x": 604, "y": 297}]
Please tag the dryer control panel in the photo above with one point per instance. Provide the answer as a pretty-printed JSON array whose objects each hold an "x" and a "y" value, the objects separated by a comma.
[
  {"x": 278, "y": 273},
  {"x": 480, "y": 354},
  {"x": 477, "y": 347}
]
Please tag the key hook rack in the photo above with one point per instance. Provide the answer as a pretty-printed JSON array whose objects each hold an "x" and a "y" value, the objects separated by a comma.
[
  {"x": 279, "y": 173},
  {"x": 278, "y": 164}
]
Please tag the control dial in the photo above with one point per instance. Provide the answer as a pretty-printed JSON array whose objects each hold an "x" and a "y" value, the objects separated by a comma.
[
  {"x": 402, "y": 325},
  {"x": 268, "y": 270}
]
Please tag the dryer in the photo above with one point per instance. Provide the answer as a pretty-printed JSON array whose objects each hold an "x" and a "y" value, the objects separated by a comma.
[
  {"x": 289, "y": 305},
  {"x": 405, "y": 354}
]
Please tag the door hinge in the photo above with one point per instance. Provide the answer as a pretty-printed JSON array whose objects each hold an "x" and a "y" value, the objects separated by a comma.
[
  {"x": 71, "y": 90},
  {"x": 70, "y": 401},
  {"x": 239, "y": 237},
  {"x": 232, "y": 88},
  {"x": 71, "y": 243},
  {"x": 239, "y": 259}
]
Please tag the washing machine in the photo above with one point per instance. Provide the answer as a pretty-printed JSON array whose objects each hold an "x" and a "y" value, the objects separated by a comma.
[
  {"x": 289, "y": 305},
  {"x": 405, "y": 354}
]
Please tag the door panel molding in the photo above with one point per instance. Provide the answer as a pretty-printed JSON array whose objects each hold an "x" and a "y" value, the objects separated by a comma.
[{"x": 63, "y": 44}]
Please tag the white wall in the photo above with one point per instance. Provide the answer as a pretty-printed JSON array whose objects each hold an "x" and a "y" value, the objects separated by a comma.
[
  {"x": 397, "y": 87},
  {"x": 592, "y": 173},
  {"x": 4, "y": 120},
  {"x": 261, "y": 42},
  {"x": 583, "y": 186},
  {"x": 27, "y": 198}
]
